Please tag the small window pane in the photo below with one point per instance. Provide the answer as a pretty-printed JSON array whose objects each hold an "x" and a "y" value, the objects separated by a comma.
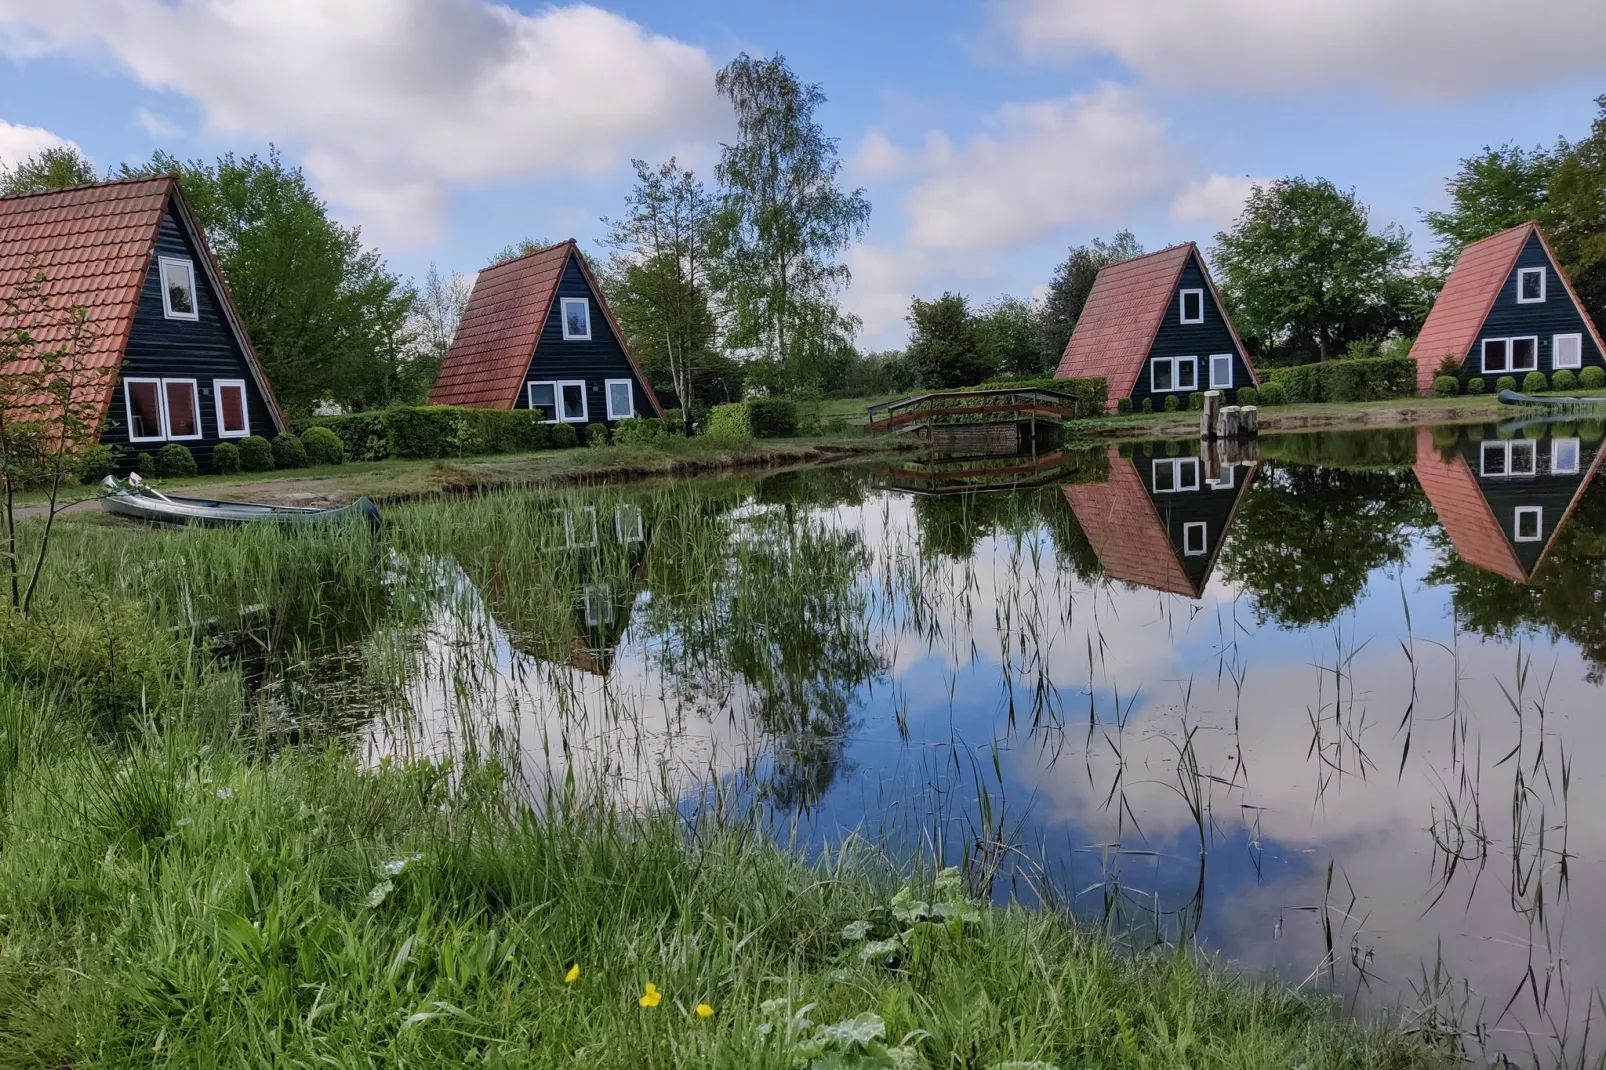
[
  {"x": 1165, "y": 477},
  {"x": 181, "y": 422},
  {"x": 619, "y": 401},
  {"x": 1188, "y": 473},
  {"x": 627, "y": 523},
  {"x": 1564, "y": 457},
  {"x": 1494, "y": 355},
  {"x": 1522, "y": 458},
  {"x": 543, "y": 396},
  {"x": 1524, "y": 354},
  {"x": 1530, "y": 523},
  {"x": 1192, "y": 306},
  {"x": 574, "y": 401},
  {"x": 1220, "y": 372},
  {"x": 1187, "y": 374},
  {"x": 1195, "y": 538},
  {"x": 144, "y": 410},
  {"x": 1533, "y": 284},
  {"x": 1162, "y": 373},
  {"x": 1494, "y": 458},
  {"x": 178, "y": 288},
  {"x": 598, "y": 605},
  {"x": 576, "y": 318},
  {"x": 1569, "y": 351},
  {"x": 231, "y": 409}
]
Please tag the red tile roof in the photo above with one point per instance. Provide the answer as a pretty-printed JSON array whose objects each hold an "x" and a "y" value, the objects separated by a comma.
[
  {"x": 1123, "y": 313},
  {"x": 1464, "y": 303},
  {"x": 1464, "y": 512},
  {"x": 1126, "y": 531},
  {"x": 93, "y": 244}
]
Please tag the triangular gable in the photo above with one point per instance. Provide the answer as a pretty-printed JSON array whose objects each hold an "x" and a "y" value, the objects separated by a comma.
[
  {"x": 1452, "y": 490},
  {"x": 1127, "y": 532}
]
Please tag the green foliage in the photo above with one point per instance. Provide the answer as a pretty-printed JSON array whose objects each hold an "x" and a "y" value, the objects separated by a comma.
[
  {"x": 56, "y": 167},
  {"x": 1446, "y": 386},
  {"x": 1090, "y": 392},
  {"x": 1196, "y": 400},
  {"x": 1475, "y": 385},
  {"x": 225, "y": 458},
  {"x": 144, "y": 464},
  {"x": 1347, "y": 380},
  {"x": 1563, "y": 379},
  {"x": 1123, "y": 406},
  {"x": 323, "y": 446},
  {"x": 1273, "y": 392},
  {"x": 1592, "y": 377},
  {"x": 433, "y": 431},
  {"x": 1171, "y": 403},
  {"x": 1592, "y": 430},
  {"x": 1497, "y": 189},
  {"x": 175, "y": 461},
  {"x": 288, "y": 452},
  {"x": 1574, "y": 217},
  {"x": 772, "y": 417},
  {"x": 93, "y": 464},
  {"x": 1010, "y": 339},
  {"x": 733, "y": 422},
  {"x": 564, "y": 437},
  {"x": 1504, "y": 383},
  {"x": 1148, "y": 404},
  {"x": 1535, "y": 383},
  {"x": 637, "y": 432},
  {"x": 427, "y": 432},
  {"x": 945, "y": 343},
  {"x": 1248, "y": 395},
  {"x": 596, "y": 435},
  {"x": 1070, "y": 286}
]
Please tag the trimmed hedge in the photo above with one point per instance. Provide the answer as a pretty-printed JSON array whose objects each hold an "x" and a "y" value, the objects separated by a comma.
[
  {"x": 1091, "y": 393},
  {"x": 1248, "y": 395},
  {"x": 1475, "y": 386},
  {"x": 430, "y": 431},
  {"x": 175, "y": 461},
  {"x": 731, "y": 421},
  {"x": 772, "y": 417},
  {"x": 1171, "y": 403},
  {"x": 1446, "y": 386},
  {"x": 1592, "y": 377},
  {"x": 323, "y": 446},
  {"x": 596, "y": 435},
  {"x": 1123, "y": 406},
  {"x": 637, "y": 432},
  {"x": 1505, "y": 382},
  {"x": 256, "y": 454},
  {"x": 226, "y": 458},
  {"x": 1273, "y": 393},
  {"x": 288, "y": 451},
  {"x": 1196, "y": 400},
  {"x": 1535, "y": 383},
  {"x": 1563, "y": 380},
  {"x": 564, "y": 437},
  {"x": 1366, "y": 379}
]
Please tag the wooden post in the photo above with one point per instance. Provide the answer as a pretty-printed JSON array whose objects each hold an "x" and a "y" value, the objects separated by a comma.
[
  {"x": 1227, "y": 422},
  {"x": 1207, "y": 419},
  {"x": 1249, "y": 421}
]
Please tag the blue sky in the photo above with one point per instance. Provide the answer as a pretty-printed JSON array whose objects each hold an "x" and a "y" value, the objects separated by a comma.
[{"x": 990, "y": 134}]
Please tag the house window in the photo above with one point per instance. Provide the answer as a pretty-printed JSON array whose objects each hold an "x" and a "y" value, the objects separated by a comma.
[
  {"x": 178, "y": 289},
  {"x": 143, "y": 399},
  {"x": 627, "y": 523},
  {"x": 1530, "y": 285},
  {"x": 598, "y": 605},
  {"x": 229, "y": 397},
  {"x": 1174, "y": 475},
  {"x": 572, "y": 402},
  {"x": 621, "y": 399},
  {"x": 1168, "y": 374},
  {"x": 563, "y": 400},
  {"x": 1221, "y": 371},
  {"x": 1512, "y": 458},
  {"x": 181, "y": 409},
  {"x": 1564, "y": 456},
  {"x": 1225, "y": 479},
  {"x": 1567, "y": 351},
  {"x": 576, "y": 319},
  {"x": 543, "y": 396},
  {"x": 580, "y": 530},
  {"x": 1502, "y": 356},
  {"x": 1195, "y": 539},
  {"x": 1530, "y": 523},
  {"x": 1192, "y": 306}
]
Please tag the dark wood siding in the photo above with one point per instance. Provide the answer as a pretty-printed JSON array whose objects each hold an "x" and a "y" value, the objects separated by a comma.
[
  {"x": 203, "y": 350},
  {"x": 1556, "y": 314},
  {"x": 596, "y": 361},
  {"x": 1210, "y": 505},
  {"x": 1550, "y": 492},
  {"x": 1178, "y": 339}
]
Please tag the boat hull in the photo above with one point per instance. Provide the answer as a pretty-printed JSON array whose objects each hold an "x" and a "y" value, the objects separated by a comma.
[{"x": 208, "y": 512}]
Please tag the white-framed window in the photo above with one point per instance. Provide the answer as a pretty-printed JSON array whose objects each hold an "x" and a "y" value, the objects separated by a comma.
[
  {"x": 1175, "y": 475},
  {"x": 1564, "y": 454},
  {"x": 178, "y": 289},
  {"x": 621, "y": 396},
  {"x": 1516, "y": 457},
  {"x": 1530, "y": 285},
  {"x": 228, "y": 397},
  {"x": 559, "y": 399},
  {"x": 580, "y": 530},
  {"x": 1224, "y": 479},
  {"x": 1170, "y": 374},
  {"x": 1567, "y": 351},
  {"x": 1510, "y": 356},
  {"x": 1195, "y": 539},
  {"x": 576, "y": 313},
  {"x": 1530, "y": 525},
  {"x": 1221, "y": 371},
  {"x": 598, "y": 602},
  {"x": 181, "y": 408},
  {"x": 627, "y": 525},
  {"x": 1192, "y": 302},
  {"x": 162, "y": 410}
]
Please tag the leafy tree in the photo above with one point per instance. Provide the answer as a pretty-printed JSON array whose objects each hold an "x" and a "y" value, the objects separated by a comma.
[
  {"x": 1068, "y": 290},
  {"x": 1010, "y": 338},
  {"x": 1304, "y": 270},
  {"x": 325, "y": 315},
  {"x": 783, "y": 222},
  {"x": 946, "y": 344},
  {"x": 57, "y": 167},
  {"x": 1494, "y": 190},
  {"x": 431, "y": 325},
  {"x": 1575, "y": 216},
  {"x": 889, "y": 372}
]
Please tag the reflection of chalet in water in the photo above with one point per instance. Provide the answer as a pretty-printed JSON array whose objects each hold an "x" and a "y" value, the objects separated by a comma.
[
  {"x": 1503, "y": 501},
  {"x": 1161, "y": 522}
]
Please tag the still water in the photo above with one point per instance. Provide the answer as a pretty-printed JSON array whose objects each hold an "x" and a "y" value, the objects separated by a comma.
[{"x": 1334, "y": 712}]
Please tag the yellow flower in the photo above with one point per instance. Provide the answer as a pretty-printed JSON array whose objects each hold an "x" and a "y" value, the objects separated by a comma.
[
  {"x": 704, "y": 1011},
  {"x": 573, "y": 975},
  {"x": 510, "y": 956},
  {"x": 651, "y": 997}
]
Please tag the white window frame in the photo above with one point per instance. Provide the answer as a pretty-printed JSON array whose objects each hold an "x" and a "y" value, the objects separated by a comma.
[
  {"x": 1182, "y": 306},
  {"x": 597, "y": 595},
  {"x": 1231, "y": 370},
  {"x": 217, "y": 404},
  {"x": 557, "y": 386},
  {"x": 568, "y": 528},
  {"x": 529, "y": 396},
  {"x": 1510, "y": 345},
  {"x": 161, "y": 409},
  {"x": 1204, "y": 538},
  {"x": 1535, "y": 511},
  {"x": 1175, "y": 362},
  {"x": 166, "y": 263},
  {"x": 627, "y": 524},
  {"x": 1176, "y": 465},
  {"x": 195, "y": 402},
  {"x": 1577, "y": 360},
  {"x": 607, "y": 398},
  {"x": 1576, "y": 446},
  {"x": 1225, "y": 479},
  {"x": 1523, "y": 273},
  {"x": 563, "y": 312},
  {"x": 1508, "y": 449}
]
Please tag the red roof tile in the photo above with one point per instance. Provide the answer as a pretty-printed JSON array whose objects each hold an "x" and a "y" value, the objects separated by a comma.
[
  {"x": 1126, "y": 531},
  {"x": 1464, "y": 512},
  {"x": 1464, "y": 303}
]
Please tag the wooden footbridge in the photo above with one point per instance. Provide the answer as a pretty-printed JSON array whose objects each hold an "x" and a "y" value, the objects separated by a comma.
[{"x": 1006, "y": 420}]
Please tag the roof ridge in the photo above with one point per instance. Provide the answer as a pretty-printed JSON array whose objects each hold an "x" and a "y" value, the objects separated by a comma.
[
  {"x": 165, "y": 177},
  {"x": 1157, "y": 252},
  {"x": 534, "y": 252}
]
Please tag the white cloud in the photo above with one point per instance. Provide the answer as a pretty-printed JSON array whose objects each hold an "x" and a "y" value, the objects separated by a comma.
[
  {"x": 157, "y": 125},
  {"x": 1417, "y": 48},
  {"x": 397, "y": 101},
  {"x": 18, "y": 142},
  {"x": 1217, "y": 200}
]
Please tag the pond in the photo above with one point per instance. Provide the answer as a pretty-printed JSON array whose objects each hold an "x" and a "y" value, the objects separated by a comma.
[{"x": 1329, "y": 708}]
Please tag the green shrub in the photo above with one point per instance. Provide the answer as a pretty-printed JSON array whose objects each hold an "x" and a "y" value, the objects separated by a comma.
[
  {"x": 427, "y": 432},
  {"x": 1124, "y": 449},
  {"x": 1248, "y": 395},
  {"x": 175, "y": 461},
  {"x": 596, "y": 435},
  {"x": 1564, "y": 380},
  {"x": 363, "y": 434},
  {"x": 1273, "y": 393},
  {"x": 1148, "y": 404},
  {"x": 1171, "y": 403},
  {"x": 731, "y": 421},
  {"x": 809, "y": 423},
  {"x": 772, "y": 417},
  {"x": 1448, "y": 365},
  {"x": 1592, "y": 430},
  {"x": 288, "y": 452},
  {"x": 1196, "y": 400},
  {"x": 563, "y": 437},
  {"x": 1535, "y": 383},
  {"x": 226, "y": 458},
  {"x": 1446, "y": 386},
  {"x": 323, "y": 446},
  {"x": 256, "y": 454},
  {"x": 1123, "y": 405},
  {"x": 675, "y": 421},
  {"x": 93, "y": 464},
  {"x": 1369, "y": 379},
  {"x": 145, "y": 464},
  {"x": 1505, "y": 382},
  {"x": 637, "y": 432},
  {"x": 1592, "y": 377},
  {"x": 485, "y": 431},
  {"x": 1090, "y": 393},
  {"x": 1475, "y": 386}
]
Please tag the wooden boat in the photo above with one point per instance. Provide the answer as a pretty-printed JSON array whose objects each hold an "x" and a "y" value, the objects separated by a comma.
[
  {"x": 1511, "y": 397},
  {"x": 136, "y": 501}
]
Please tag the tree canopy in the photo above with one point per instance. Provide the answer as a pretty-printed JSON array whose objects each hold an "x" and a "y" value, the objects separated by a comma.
[
  {"x": 1494, "y": 190},
  {"x": 1070, "y": 286},
  {"x": 57, "y": 167},
  {"x": 946, "y": 343}
]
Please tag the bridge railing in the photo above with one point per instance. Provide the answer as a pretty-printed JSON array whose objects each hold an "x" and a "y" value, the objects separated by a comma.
[{"x": 950, "y": 406}]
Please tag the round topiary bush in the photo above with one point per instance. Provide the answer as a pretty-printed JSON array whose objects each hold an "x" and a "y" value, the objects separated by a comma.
[
  {"x": 256, "y": 454},
  {"x": 1505, "y": 382},
  {"x": 1171, "y": 403},
  {"x": 1148, "y": 404},
  {"x": 288, "y": 452},
  {"x": 145, "y": 464},
  {"x": 1592, "y": 377},
  {"x": 1535, "y": 383},
  {"x": 1446, "y": 386},
  {"x": 1123, "y": 406},
  {"x": 93, "y": 464},
  {"x": 322, "y": 446},
  {"x": 175, "y": 461},
  {"x": 1564, "y": 380},
  {"x": 1475, "y": 386},
  {"x": 564, "y": 438},
  {"x": 226, "y": 458},
  {"x": 1592, "y": 430},
  {"x": 1274, "y": 393},
  {"x": 1196, "y": 400},
  {"x": 1248, "y": 396},
  {"x": 596, "y": 435}
]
